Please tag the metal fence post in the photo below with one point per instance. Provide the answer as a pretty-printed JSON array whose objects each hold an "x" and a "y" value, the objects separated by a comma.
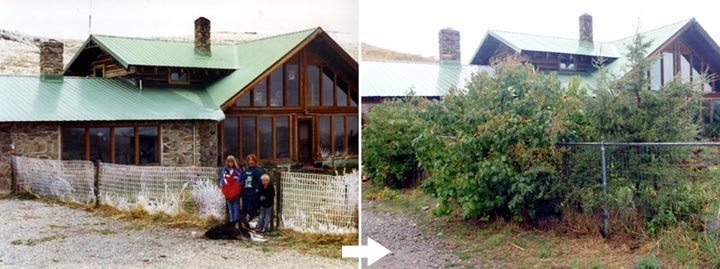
[
  {"x": 278, "y": 201},
  {"x": 605, "y": 188},
  {"x": 97, "y": 184}
]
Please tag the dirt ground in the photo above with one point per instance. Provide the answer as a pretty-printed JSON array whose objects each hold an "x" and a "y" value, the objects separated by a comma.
[{"x": 38, "y": 235}]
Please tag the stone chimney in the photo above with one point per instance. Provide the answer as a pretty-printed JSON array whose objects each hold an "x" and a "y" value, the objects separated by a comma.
[
  {"x": 449, "y": 46},
  {"x": 51, "y": 59},
  {"x": 202, "y": 36},
  {"x": 586, "y": 28}
]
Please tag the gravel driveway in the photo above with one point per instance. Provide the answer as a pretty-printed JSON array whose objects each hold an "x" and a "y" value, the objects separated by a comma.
[
  {"x": 35, "y": 234},
  {"x": 411, "y": 247}
]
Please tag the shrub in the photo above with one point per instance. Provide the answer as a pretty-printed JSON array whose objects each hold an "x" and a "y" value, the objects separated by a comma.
[
  {"x": 491, "y": 147},
  {"x": 388, "y": 155}
]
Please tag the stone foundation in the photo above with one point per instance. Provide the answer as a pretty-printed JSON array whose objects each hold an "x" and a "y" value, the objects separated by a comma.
[
  {"x": 36, "y": 141},
  {"x": 209, "y": 147},
  {"x": 5, "y": 165}
]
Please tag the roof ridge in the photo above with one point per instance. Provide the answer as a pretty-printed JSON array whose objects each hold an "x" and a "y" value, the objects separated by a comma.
[
  {"x": 425, "y": 63},
  {"x": 155, "y": 39},
  {"x": 274, "y": 36},
  {"x": 537, "y": 35},
  {"x": 685, "y": 21}
]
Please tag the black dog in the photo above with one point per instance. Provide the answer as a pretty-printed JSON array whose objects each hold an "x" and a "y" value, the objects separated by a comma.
[{"x": 229, "y": 231}]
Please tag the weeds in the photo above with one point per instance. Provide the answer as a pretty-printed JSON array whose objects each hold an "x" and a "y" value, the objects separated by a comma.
[{"x": 32, "y": 242}]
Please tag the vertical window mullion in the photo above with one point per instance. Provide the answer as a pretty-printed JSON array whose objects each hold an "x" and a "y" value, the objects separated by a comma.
[
  {"x": 137, "y": 145},
  {"x": 87, "y": 144}
]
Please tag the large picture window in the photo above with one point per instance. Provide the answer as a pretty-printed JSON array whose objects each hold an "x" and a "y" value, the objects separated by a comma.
[
  {"x": 268, "y": 137},
  {"x": 280, "y": 88},
  {"x": 130, "y": 145},
  {"x": 338, "y": 135}
]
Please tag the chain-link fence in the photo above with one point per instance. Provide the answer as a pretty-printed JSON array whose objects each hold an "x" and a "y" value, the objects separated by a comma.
[
  {"x": 629, "y": 186},
  {"x": 317, "y": 203},
  {"x": 71, "y": 181}
]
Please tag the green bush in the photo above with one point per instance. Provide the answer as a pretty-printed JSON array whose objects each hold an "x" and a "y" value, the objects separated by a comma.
[
  {"x": 388, "y": 155},
  {"x": 648, "y": 262},
  {"x": 491, "y": 147}
]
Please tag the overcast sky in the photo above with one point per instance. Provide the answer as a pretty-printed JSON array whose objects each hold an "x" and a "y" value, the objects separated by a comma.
[
  {"x": 69, "y": 19},
  {"x": 412, "y": 26}
]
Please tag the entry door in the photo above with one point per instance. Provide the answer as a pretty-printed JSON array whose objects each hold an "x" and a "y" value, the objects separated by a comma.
[{"x": 305, "y": 141}]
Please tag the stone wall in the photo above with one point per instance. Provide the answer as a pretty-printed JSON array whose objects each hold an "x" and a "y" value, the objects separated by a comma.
[
  {"x": 208, "y": 134},
  {"x": 29, "y": 140},
  {"x": 5, "y": 165},
  {"x": 177, "y": 143},
  {"x": 36, "y": 140}
]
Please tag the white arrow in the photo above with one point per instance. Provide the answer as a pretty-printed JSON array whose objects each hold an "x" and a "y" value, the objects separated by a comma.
[{"x": 373, "y": 251}]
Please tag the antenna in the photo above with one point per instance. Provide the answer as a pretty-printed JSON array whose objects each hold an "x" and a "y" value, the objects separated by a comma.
[{"x": 90, "y": 19}]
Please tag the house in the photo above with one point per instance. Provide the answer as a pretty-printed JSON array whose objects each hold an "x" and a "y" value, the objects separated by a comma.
[
  {"x": 683, "y": 50},
  {"x": 290, "y": 99}
]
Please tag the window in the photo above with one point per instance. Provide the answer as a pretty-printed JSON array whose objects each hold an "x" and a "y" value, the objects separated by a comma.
[
  {"x": 353, "y": 135},
  {"x": 148, "y": 142},
  {"x": 260, "y": 93},
  {"x": 100, "y": 145},
  {"x": 654, "y": 73},
  {"x": 342, "y": 93},
  {"x": 710, "y": 110},
  {"x": 132, "y": 145},
  {"x": 282, "y": 138},
  {"x": 325, "y": 139},
  {"x": 567, "y": 62},
  {"x": 328, "y": 87},
  {"x": 339, "y": 133},
  {"x": 99, "y": 71},
  {"x": 73, "y": 143},
  {"x": 248, "y": 136},
  {"x": 292, "y": 84},
  {"x": 244, "y": 99},
  {"x": 668, "y": 63},
  {"x": 230, "y": 143},
  {"x": 281, "y": 88},
  {"x": 125, "y": 145},
  {"x": 266, "y": 138},
  {"x": 276, "y": 87},
  {"x": 313, "y": 85},
  {"x": 178, "y": 76}
]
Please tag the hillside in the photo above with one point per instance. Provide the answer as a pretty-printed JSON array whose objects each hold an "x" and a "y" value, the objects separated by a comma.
[
  {"x": 20, "y": 54},
  {"x": 370, "y": 52}
]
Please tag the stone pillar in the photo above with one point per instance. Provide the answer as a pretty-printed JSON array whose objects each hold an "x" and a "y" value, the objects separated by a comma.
[
  {"x": 449, "y": 46},
  {"x": 586, "y": 28},
  {"x": 202, "y": 36},
  {"x": 51, "y": 58}
]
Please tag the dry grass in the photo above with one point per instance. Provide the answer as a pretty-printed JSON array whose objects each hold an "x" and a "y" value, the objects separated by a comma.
[
  {"x": 370, "y": 52},
  {"x": 575, "y": 244}
]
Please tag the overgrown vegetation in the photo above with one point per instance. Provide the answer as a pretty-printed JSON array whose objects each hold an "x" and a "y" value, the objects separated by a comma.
[{"x": 491, "y": 151}]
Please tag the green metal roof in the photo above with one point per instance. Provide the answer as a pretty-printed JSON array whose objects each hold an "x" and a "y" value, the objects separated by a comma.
[
  {"x": 657, "y": 37},
  {"x": 525, "y": 42},
  {"x": 30, "y": 99},
  {"x": 255, "y": 57},
  {"x": 386, "y": 78},
  {"x": 152, "y": 52}
]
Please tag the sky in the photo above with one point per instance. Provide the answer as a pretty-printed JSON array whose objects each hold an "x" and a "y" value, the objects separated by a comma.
[
  {"x": 413, "y": 26},
  {"x": 153, "y": 18}
]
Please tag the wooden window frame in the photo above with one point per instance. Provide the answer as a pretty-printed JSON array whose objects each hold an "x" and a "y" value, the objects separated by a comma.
[
  {"x": 273, "y": 125},
  {"x": 136, "y": 128},
  {"x": 346, "y": 138},
  {"x": 574, "y": 63},
  {"x": 99, "y": 67}
]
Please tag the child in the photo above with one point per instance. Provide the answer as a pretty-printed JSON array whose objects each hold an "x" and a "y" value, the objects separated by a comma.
[
  {"x": 267, "y": 196},
  {"x": 231, "y": 171}
]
